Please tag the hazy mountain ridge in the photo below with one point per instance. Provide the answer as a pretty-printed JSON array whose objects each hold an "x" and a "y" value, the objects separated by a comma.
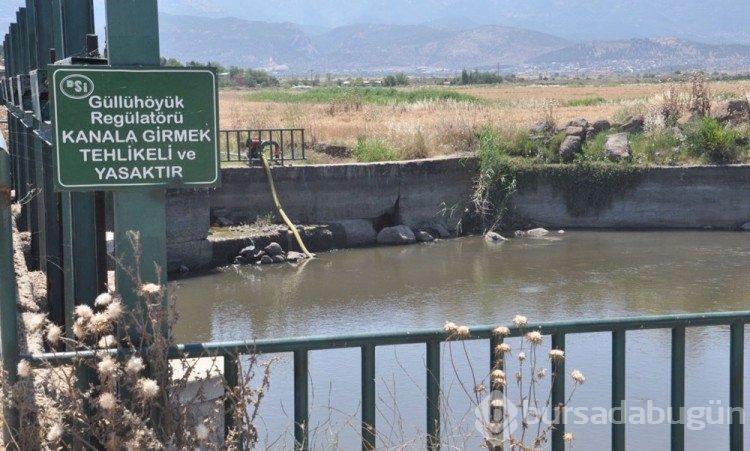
[
  {"x": 719, "y": 21},
  {"x": 370, "y": 49}
]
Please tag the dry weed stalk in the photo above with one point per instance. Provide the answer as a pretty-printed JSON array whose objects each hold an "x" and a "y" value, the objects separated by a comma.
[
  {"x": 524, "y": 423},
  {"x": 122, "y": 392}
]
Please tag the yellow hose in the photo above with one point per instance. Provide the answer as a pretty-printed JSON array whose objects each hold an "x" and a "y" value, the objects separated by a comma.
[{"x": 281, "y": 210}]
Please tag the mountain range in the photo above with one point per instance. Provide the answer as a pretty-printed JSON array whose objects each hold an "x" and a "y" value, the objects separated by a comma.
[
  {"x": 361, "y": 37},
  {"x": 717, "y": 21},
  {"x": 371, "y": 49}
]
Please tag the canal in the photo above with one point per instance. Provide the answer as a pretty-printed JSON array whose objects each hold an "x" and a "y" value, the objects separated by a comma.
[{"x": 560, "y": 276}]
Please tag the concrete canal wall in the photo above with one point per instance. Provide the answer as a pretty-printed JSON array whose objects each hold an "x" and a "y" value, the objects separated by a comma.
[{"x": 416, "y": 193}]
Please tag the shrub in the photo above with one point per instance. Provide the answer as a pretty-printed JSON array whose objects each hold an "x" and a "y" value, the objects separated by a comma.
[
  {"x": 370, "y": 150},
  {"x": 711, "y": 142},
  {"x": 660, "y": 147}
]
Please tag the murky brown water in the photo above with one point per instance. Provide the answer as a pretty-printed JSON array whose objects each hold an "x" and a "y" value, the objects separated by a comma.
[{"x": 468, "y": 281}]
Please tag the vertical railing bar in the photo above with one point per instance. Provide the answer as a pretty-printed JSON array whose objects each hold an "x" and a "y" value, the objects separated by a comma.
[
  {"x": 677, "y": 427},
  {"x": 229, "y": 136},
  {"x": 496, "y": 413},
  {"x": 9, "y": 346},
  {"x": 293, "y": 141},
  {"x": 301, "y": 407},
  {"x": 232, "y": 376},
  {"x": 736, "y": 385},
  {"x": 433, "y": 395},
  {"x": 368, "y": 397},
  {"x": 303, "y": 143},
  {"x": 618, "y": 390},
  {"x": 558, "y": 394}
]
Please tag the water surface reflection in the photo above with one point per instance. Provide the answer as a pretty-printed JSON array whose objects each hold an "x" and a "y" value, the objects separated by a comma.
[{"x": 469, "y": 281}]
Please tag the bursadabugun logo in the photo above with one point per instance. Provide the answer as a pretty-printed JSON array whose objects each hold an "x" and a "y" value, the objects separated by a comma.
[
  {"x": 76, "y": 86},
  {"x": 496, "y": 418}
]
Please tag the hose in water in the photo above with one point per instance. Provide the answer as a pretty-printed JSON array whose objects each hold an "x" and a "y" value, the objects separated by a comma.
[{"x": 278, "y": 205}]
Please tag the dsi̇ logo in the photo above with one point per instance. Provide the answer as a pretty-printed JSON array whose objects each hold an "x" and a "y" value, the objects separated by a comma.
[{"x": 77, "y": 86}]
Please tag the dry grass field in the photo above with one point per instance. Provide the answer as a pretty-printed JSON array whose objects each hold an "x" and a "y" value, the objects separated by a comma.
[{"x": 435, "y": 128}]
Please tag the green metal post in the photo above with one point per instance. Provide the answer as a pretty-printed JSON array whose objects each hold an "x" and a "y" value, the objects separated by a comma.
[
  {"x": 497, "y": 361},
  {"x": 677, "y": 428},
  {"x": 232, "y": 376},
  {"x": 301, "y": 406},
  {"x": 433, "y": 395},
  {"x": 368, "y": 398},
  {"x": 8, "y": 312},
  {"x": 86, "y": 272},
  {"x": 31, "y": 41},
  {"x": 558, "y": 394},
  {"x": 618, "y": 390},
  {"x": 736, "y": 385},
  {"x": 141, "y": 211}
]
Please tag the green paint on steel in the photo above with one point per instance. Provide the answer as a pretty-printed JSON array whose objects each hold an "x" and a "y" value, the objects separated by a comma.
[
  {"x": 43, "y": 16},
  {"x": 232, "y": 377},
  {"x": 368, "y": 398},
  {"x": 558, "y": 394},
  {"x": 137, "y": 214},
  {"x": 677, "y": 402},
  {"x": 618, "y": 389},
  {"x": 8, "y": 314},
  {"x": 432, "y": 338},
  {"x": 737, "y": 385},
  {"x": 137, "y": 127},
  {"x": 433, "y": 395},
  {"x": 30, "y": 38},
  {"x": 78, "y": 19},
  {"x": 301, "y": 404},
  {"x": 130, "y": 45}
]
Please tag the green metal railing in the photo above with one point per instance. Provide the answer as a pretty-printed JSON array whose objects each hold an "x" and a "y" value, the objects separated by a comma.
[
  {"x": 291, "y": 141},
  {"x": 617, "y": 328}
]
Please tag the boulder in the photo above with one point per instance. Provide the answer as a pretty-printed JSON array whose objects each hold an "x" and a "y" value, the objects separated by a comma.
[
  {"x": 399, "y": 234},
  {"x": 583, "y": 123},
  {"x": 294, "y": 256},
  {"x": 494, "y": 237},
  {"x": 617, "y": 147},
  {"x": 273, "y": 249},
  {"x": 731, "y": 111},
  {"x": 745, "y": 226},
  {"x": 599, "y": 126},
  {"x": 575, "y": 130},
  {"x": 359, "y": 232},
  {"x": 543, "y": 127},
  {"x": 633, "y": 124},
  {"x": 437, "y": 228},
  {"x": 248, "y": 252},
  {"x": 539, "y": 231},
  {"x": 424, "y": 237},
  {"x": 570, "y": 146}
]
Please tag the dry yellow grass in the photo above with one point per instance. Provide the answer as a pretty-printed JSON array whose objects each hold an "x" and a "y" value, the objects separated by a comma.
[{"x": 442, "y": 128}]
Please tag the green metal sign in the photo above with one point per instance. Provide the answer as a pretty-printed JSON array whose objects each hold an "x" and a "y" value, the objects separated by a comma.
[{"x": 134, "y": 127}]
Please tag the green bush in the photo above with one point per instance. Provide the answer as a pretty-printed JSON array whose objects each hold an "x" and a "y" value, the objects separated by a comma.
[
  {"x": 711, "y": 142},
  {"x": 371, "y": 150}
]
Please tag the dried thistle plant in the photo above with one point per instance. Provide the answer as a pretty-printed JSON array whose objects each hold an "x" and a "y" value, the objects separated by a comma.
[
  {"x": 123, "y": 392},
  {"x": 513, "y": 402}
]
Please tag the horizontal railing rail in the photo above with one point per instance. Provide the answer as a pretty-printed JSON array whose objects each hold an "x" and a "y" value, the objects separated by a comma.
[
  {"x": 233, "y": 143},
  {"x": 300, "y": 347}
]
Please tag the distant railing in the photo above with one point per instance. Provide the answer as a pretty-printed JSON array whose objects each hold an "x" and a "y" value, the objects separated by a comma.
[
  {"x": 617, "y": 328},
  {"x": 233, "y": 142}
]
